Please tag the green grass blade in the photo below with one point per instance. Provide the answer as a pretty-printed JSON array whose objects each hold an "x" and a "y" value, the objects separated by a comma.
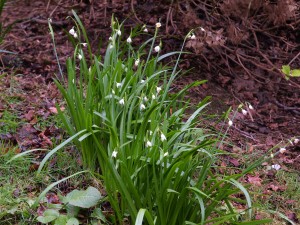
[
  {"x": 56, "y": 149},
  {"x": 140, "y": 217}
]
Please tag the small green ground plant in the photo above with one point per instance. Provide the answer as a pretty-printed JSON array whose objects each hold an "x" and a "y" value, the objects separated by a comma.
[
  {"x": 71, "y": 204},
  {"x": 157, "y": 164},
  {"x": 20, "y": 187},
  {"x": 288, "y": 72}
]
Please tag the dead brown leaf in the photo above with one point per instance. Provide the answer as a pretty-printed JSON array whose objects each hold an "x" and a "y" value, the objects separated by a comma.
[{"x": 255, "y": 180}]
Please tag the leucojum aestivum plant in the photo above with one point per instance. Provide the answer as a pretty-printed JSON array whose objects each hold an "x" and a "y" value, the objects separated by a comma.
[{"x": 157, "y": 164}]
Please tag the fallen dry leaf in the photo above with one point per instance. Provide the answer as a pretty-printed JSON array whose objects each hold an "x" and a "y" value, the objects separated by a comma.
[
  {"x": 53, "y": 110},
  {"x": 235, "y": 162},
  {"x": 29, "y": 116},
  {"x": 255, "y": 180}
]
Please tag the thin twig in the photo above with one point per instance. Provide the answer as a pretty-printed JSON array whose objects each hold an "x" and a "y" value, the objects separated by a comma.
[{"x": 294, "y": 58}]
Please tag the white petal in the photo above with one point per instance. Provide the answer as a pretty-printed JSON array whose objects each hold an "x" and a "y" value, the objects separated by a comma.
[
  {"x": 251, "y": 107},
  {"x": 163, "y": 137},
  {"x": 146, "y": 30},
  {"x": 119, "y": 85},
  {"x": 158, "y": 89},
  {"x": 148, "y": 144},
  {"x": 79, "y": 56},
  {"x": 157, "y": 49},
  {"x": 276, "y": 167},
  {"x": 244, "y": 112},
  {"x": 142, "y": 107},
  {"x": 72, "y": 31},
  {"x": 193, "y": 37},
  {"x": 114, "y": 154},
  {"x": 129, "y": 40},
  {"x": 296, "y": 141},
  {"x": 282, "y": 150},
  {"x": 122, "y": 102},
  {"x": 136, "y": 63},
  {"x": 119, "y": 32},
  {"x": 158, "y": 25},
  {"x": 230, "y": 123}
]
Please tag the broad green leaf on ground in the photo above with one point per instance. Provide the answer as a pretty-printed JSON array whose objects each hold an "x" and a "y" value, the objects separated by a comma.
[
  {"x": 48, "y": 216},
  {"x": 286, "y": 70},
  {"x": 295, "y": 73},
  {"x": 72, "y": 210},
  {"x": 72, "y": 221},
  {"x": 61, "y": 220},
  {"x": 84, "y": 199}
]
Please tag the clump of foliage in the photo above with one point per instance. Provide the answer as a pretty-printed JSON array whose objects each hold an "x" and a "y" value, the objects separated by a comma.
[{"x": 156, "y": 162}]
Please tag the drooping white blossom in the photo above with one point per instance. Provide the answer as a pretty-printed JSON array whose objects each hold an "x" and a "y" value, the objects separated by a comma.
[
  {"x": 136, "y": 63},
  {"x": 157, "y": 48},
  {"x": 230, "y": 123},
  {"x": 79, "y": 56},
  {"x": 119, "y": 32},
  {"x": 245, "y": 112},
  {"x": 129, "y": 40},
  {"x": 282, "y": 150},
  {"x": 193, "y": 37},
  {"x": 158, "y": 25},
  {"x": 251, "y": 107},
  {"x": 142, "y": 107},
  {"x": 148, "y": 144},
  {"x": 114, "y": 154},
  {"x": 158, "y": 89},
  {"x": 122, "y": 101},
  {"x": 163, "y": 137},
  {"x": 72, "y": 31},
  {"x": 119, "y": 85}
]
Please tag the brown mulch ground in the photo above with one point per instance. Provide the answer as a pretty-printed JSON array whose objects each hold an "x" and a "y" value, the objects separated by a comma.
[{"x": 239, "y": 49}]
